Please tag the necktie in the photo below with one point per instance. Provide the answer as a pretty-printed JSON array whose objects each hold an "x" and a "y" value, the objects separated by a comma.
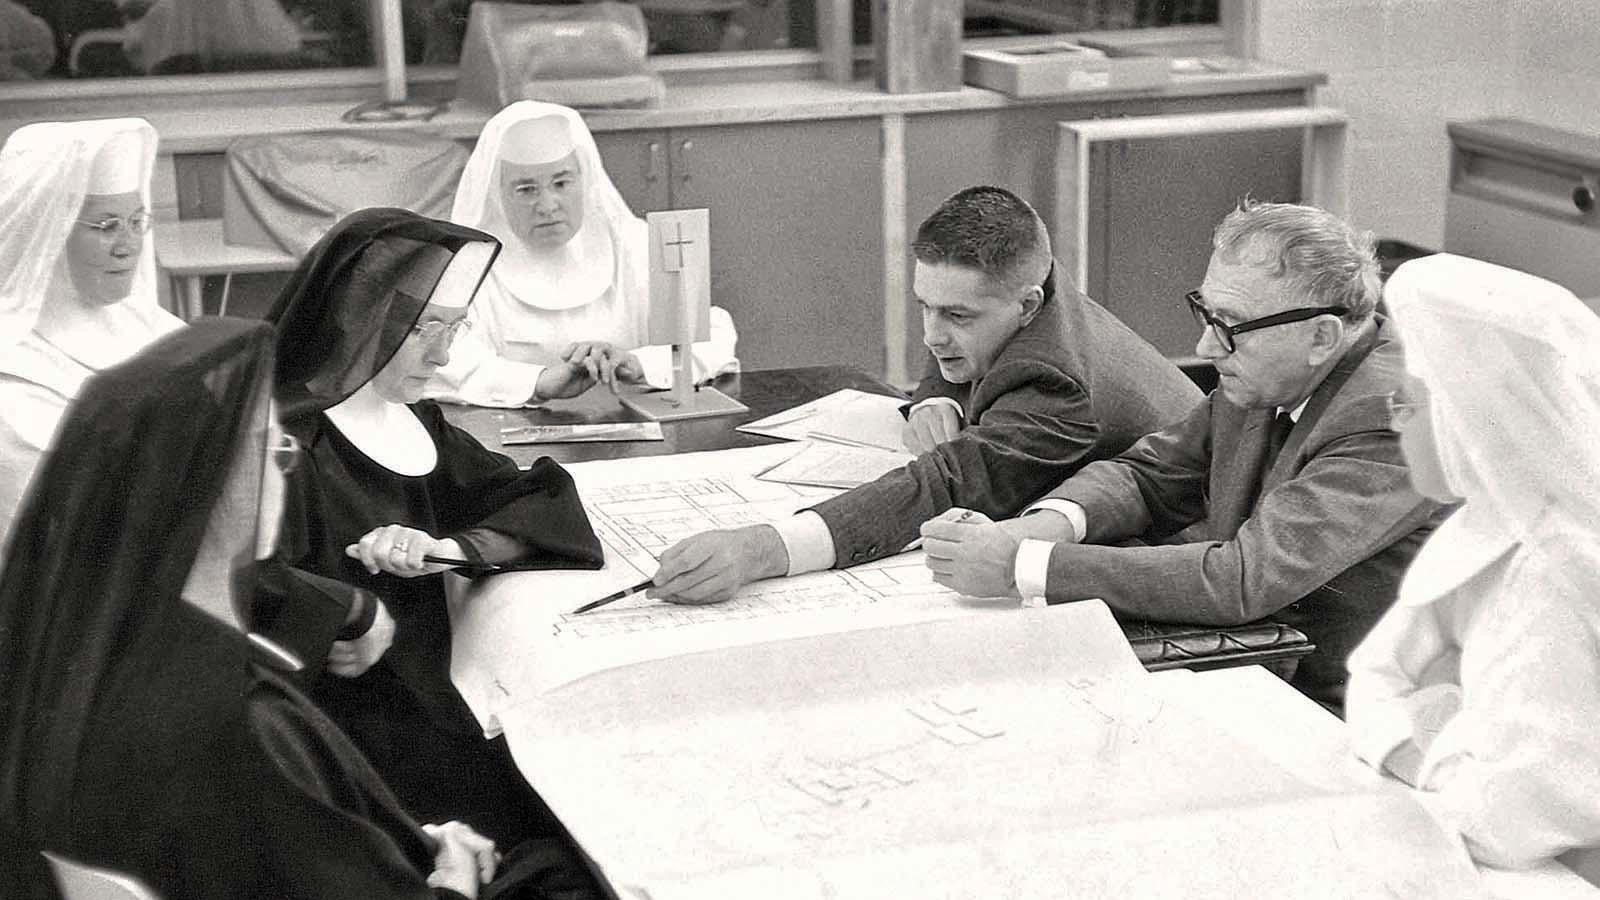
[{"x": 1277, "y": 436}]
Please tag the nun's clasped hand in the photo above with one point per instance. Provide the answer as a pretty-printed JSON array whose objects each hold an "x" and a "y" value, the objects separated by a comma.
[
  {"x": 971, "y": 554},
  {"x": 399, "y": 550},
  {"x": 604, "y": 363}
]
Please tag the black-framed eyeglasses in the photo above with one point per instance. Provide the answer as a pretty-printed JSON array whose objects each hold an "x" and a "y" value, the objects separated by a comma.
[
  {"x": 112, "y": 227},
  {"x": 1225, "y": 333},
  {"x": 286, "y": 450},
  {"x": 434, "y": 330}
]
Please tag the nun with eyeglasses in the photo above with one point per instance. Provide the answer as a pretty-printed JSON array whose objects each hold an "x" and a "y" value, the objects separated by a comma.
[
  {"x": 389, "y": 496},
  {"x": 1481, "y": 685},
  {"x": 77, "y": 276},
  {"x": 566, "y": 305}
]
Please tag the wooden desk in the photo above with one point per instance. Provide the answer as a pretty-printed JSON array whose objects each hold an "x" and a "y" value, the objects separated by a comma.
[
  {"x": 1159, "y": 646},
  {"x": 190, "y": 249}
]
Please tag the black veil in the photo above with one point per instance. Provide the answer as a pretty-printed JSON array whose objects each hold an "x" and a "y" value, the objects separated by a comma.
[
  {"x": 354, "y": 298},
  {"x": 98, "y": 651}
]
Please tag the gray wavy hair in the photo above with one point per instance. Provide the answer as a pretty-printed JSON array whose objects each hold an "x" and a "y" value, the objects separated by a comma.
[{"x": 1320, "y": 258}]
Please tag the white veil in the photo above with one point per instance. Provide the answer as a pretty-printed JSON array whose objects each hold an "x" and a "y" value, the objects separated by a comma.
[
  {"x": 609, "y": 249},
  {"x": 44, "y": 175},
  {"x": 1512, "y": 365}
]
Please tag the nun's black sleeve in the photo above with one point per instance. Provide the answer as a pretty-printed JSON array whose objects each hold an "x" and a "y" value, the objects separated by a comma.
[{"x": 480, "y": 496}]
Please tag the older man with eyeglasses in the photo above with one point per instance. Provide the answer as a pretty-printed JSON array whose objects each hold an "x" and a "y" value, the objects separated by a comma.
[{"x": 1284, "y": 494}]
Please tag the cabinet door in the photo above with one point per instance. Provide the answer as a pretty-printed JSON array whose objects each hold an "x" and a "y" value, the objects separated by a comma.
[
  {"x": 637, "y": 163},
  {"x": 1140, "y": 250},
  {"x": 796, "y": 236},
  {"x": 1153, "y": 205}
]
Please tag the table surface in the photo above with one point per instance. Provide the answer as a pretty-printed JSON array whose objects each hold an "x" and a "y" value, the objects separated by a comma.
[
  {"x": 197, "y": 247},
  {"x": 764, "y": 392},
  {"x": 1158, "y": 645}
]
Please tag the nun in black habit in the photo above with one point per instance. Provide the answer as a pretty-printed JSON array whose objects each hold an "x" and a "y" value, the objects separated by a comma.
[
  {"x": 139, "y": 729},
  {"x": 364, "y": 322}
]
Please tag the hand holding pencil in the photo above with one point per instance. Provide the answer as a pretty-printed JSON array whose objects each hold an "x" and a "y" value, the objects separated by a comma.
[{"x": 710, "y": 567}]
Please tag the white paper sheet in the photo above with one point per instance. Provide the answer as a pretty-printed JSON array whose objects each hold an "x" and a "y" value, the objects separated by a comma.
[
  {"x": 845, "y": 416},
  {"x": 1018, "y": 755},
  {"x": 825, "y": 463}
]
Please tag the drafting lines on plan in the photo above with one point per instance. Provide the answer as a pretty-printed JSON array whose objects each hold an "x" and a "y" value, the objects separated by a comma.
[{"x": 639, "y": 521}]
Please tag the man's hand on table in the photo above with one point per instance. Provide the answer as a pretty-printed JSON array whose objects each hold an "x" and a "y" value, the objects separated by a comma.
[
  {"x": 929, "y": 425},
  {"x": 970, "y": 553},
  {"x": 711, "y": 566}
]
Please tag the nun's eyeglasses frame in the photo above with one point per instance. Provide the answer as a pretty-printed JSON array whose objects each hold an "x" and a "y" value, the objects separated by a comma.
[
  {"x": 112, "y": 227},
  {"x": 1400, "y": 411},
  {"x": 429, "y": 332},
  {"x": 286, "y": 452},
  {"x": 1225, "y": 333}
]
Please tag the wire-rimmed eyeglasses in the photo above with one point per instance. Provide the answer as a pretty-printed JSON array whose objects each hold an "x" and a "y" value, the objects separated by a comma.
[
  {"x": 1401, "y": 410},
  {"x": 434, "y": 330},
  {"x": 286, "y": 450},
  {"x": 113, "y": 227}
]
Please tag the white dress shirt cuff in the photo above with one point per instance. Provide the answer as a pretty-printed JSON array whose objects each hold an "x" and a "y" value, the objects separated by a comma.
[
  {"x": 1073, "y": 512},
  {"x": 931, "y": 401},
  {"x": 809, "y": 542},
  {"x": 1032, "y": 568}
]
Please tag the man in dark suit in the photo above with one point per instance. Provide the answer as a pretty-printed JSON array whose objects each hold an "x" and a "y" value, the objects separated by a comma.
[
  {"x": 1041, "y": 380},
  {"x": 1284, "y": 493}
]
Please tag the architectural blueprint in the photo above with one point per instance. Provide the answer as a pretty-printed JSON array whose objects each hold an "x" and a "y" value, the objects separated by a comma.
[{"x": 518, "y": 635}]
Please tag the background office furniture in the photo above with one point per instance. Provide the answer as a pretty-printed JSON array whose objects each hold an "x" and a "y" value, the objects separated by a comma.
[
  {"x": 1136, "y": 229},
  {"x": 1524, "y": 196},
  {"x": 190, "y": 250}
]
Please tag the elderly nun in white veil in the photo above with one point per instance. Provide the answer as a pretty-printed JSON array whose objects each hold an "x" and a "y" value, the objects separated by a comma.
[
  {"x": 566, "y": 305},
  {"x": 77, "y": 276},
  {"x": 1481, "y": 686}
]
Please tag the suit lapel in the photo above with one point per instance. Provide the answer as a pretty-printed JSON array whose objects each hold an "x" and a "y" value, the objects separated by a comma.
[{"x": 1287, "y": 462}]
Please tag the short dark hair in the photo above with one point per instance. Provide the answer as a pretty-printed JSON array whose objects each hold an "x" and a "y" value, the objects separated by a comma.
[{"x": 988, "y": 229}]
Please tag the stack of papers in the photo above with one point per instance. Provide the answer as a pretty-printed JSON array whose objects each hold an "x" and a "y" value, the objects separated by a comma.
[
  {"x": 846, "y": 416},
  {"x": 600, "y": 431},
  {"x": 826, "y": 463}
]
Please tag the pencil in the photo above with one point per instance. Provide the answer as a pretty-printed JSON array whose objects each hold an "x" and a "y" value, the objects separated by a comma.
[{"x": 611, "y": 598}]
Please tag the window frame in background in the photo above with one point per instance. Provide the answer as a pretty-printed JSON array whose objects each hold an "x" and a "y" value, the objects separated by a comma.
[{"x": 836, "y": 58}]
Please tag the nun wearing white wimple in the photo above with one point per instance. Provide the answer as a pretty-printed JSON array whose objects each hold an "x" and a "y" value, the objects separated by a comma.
[
  {"x": 77, "y": 276},
  {"x": 1481, "y": 685},
  {"x": 566, "y": 305}
]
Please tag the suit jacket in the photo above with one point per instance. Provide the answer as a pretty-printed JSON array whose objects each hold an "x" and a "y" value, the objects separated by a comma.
[
  {"x": 1073, "y": 385},
  {"x": 1321, "y": 536}
]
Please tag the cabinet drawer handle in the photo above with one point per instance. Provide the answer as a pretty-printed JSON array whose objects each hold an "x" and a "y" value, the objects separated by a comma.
[
  {"x": 652, "y": 166},
  {"x": 1583, "y": 197}
]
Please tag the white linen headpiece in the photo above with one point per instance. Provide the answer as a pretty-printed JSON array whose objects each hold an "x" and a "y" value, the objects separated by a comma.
[
  {"x": 1513, "y": 377},
  {"x": 45, "y": 172},
  {"x": 119, "y": 167},
  {"x": 592, "y": 262}
]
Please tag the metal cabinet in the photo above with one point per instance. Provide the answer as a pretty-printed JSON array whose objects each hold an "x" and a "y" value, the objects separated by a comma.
[
  {"x": 1523, "y": 195},
  {"x": 796, "y": 246},
  {"x": 1153, "y": 206}
]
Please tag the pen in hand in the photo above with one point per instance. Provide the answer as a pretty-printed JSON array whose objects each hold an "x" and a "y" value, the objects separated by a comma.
[
  {"x": 612, "y": 598},
  {"x": 459, "y": 563}
]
